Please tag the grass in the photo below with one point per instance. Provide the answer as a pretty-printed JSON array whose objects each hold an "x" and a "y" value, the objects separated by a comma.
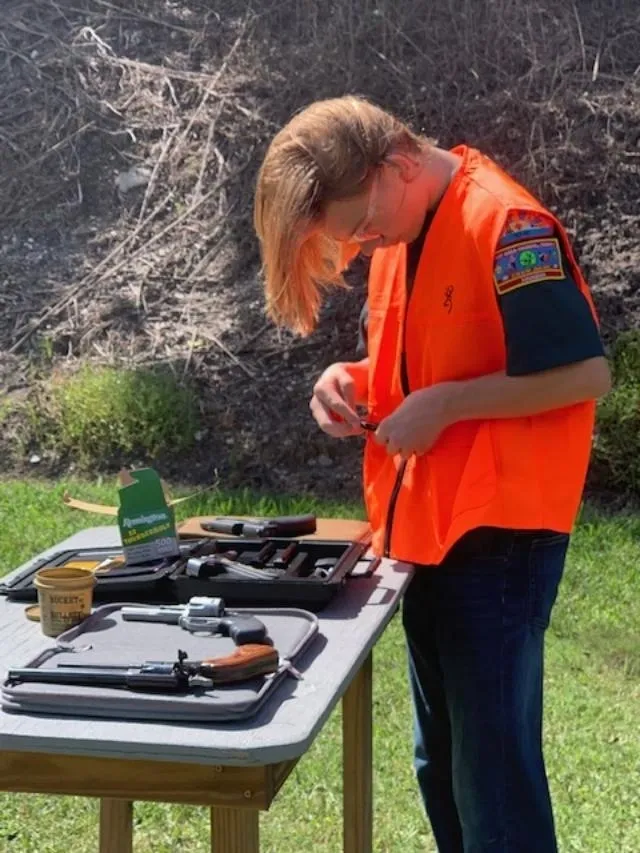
[
  {"x": 99, "y": 412},
  {"x": 617, "y": 444},
  {"x": 592, "y": 711}
]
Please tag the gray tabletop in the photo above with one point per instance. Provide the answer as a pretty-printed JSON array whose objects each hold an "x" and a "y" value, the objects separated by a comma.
[{"x": 284, "y": 728}]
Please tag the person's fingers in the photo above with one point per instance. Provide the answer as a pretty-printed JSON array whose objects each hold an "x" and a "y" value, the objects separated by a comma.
[
  {"x": 385, "y": 435},
  {"x": 381, "y": 435},
  {"x": 326, "y": 420},
  {"x": 347, "y": 389},
  {"x": 392, "y": 447},
  {"x": 330, "y": 395},
  {"x": 395, "y": 449},
  {"x": 342, "y": 430}
]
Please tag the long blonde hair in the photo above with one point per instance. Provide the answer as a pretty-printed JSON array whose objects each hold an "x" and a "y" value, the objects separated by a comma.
[{"x": 329, "y": 151}]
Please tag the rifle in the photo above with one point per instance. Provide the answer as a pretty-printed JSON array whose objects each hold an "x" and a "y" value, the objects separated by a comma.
[{"x": 180, "y": 676}]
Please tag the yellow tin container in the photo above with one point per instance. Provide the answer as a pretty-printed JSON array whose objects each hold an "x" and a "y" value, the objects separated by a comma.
[{"x": 65, "y": 597}]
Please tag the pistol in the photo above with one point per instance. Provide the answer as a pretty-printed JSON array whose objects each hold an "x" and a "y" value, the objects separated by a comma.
[
  {"x": 262, "y": 528},
  {"x": 158, "y": 676}
]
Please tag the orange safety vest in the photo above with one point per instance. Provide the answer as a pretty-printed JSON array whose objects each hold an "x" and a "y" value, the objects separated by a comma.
[{"x": 523, "y": 473}]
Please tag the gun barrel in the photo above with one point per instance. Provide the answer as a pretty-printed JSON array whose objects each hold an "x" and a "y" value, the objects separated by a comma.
[
  {"x": 160, "y": 676},
  {"x": 169, "y": 615},
  {"x": 107, "y": 676}
]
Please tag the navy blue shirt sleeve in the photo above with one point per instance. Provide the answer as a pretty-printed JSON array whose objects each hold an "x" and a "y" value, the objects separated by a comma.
[
  {"x": 362, "y": 349},
  {"x": 355, "y": 275},
  {"x": 547, "y": 320}
]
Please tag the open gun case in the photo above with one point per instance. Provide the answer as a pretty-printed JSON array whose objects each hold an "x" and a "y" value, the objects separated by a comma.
[
  {"x": 283, "y": 572},
  {"x": 107, "y": 642}
]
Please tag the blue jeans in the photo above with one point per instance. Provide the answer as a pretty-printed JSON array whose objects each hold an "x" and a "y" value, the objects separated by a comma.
[{"x": 475, "y": 630}]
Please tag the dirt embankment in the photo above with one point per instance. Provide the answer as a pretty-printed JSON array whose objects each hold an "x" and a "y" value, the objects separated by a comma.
[{"x": 129, "y": 140}]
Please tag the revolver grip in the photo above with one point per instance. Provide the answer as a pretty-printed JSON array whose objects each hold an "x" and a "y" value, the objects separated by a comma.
[{"x": 243, "y": 629}]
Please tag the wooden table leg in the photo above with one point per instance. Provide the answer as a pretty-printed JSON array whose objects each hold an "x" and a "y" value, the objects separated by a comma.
[
  {"x": 235, "y": 830},
  {"x": 357, "y": 747},
  {"x": 116, "y": 826}
]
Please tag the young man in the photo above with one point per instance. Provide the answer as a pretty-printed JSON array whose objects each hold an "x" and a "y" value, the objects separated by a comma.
[{"x": 482, "y": 366}]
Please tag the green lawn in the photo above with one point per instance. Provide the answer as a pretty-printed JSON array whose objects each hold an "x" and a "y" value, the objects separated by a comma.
[{"x": 592, "y": 721}]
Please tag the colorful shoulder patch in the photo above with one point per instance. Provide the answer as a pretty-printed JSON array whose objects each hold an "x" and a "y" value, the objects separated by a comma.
[
  {"x": 525, "y": 225},
  {"x": 527, "y": 262}
]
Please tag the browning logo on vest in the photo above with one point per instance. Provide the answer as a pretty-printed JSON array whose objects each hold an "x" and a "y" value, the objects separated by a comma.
[{"x": 528, "y": 262}]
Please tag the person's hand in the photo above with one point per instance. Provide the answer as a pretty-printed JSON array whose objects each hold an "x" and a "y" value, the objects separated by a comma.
[
  {"x": 416, "y": 425},
  {"x": 334, "y": 400}
]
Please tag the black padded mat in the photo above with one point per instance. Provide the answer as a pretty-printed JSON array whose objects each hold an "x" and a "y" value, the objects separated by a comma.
[{"x": 105, "y": 638}]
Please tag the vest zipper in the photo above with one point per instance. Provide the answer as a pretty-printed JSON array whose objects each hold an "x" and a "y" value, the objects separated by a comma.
[
  {"x": 392, "y": 507},
  {"x": 406, "y": 390}
]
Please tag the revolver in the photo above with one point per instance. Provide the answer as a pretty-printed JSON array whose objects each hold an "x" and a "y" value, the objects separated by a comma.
[{"x": 203, "y": 614}]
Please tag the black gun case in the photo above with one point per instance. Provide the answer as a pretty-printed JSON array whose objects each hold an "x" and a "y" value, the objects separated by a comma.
[{"x": 304, "y": 573}]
